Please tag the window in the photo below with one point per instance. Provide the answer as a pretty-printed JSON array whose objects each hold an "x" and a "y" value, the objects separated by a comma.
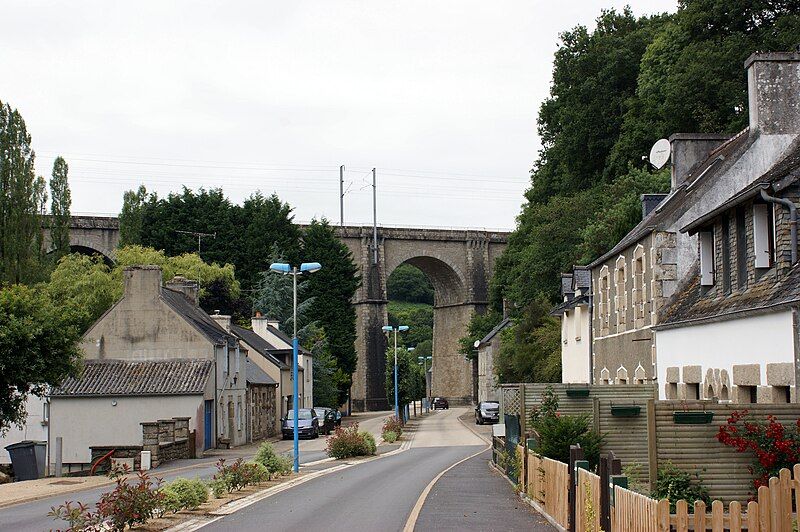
[
  {"x": 604, "y": 300},
  {"x": 236, "y": 354},
  {"x": 763, "y": 235},
  {"x": 741, "y": 249},
  {"x": 227, "y": 362},
  {"x": 639, "y": 289},
  {"x": 706, "y": 239},
  {"x": 726, "y": 254},
  {"x": 576, "y": 319},
  {"x": 45, "y": 412},
  {"x": 564, "y": 327},
  {"x": 621, "y": 299},
  {"x": 239, "y": 414}
]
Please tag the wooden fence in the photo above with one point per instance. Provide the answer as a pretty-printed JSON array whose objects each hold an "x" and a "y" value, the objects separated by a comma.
[
  {"x": 587, "y": 501},
  {"x": 548, "y": 484}
]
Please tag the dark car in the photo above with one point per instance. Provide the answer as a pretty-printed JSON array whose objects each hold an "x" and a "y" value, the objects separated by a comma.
[
  {"x": 327, "y": 419},
  {"x": 337, "y": 419},
  {"x": 440, "y": 402},
  {"x": 308, "y": 424},
  {"x": 487, "y": 412}
]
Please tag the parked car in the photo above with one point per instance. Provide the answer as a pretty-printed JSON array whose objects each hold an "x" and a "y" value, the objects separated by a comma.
[
  {"x": 308, "y": 424},
  {"x": 487, "y": 412},
  {"x": 440, "y": 402},
  {"x": 337, "y": 417},
  {"x": 327, "y": 419}
]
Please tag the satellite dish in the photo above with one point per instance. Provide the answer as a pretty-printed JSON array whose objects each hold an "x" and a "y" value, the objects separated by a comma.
[
  {"x": 659, "y": 153},
  {"x": 477, "y": 343}
]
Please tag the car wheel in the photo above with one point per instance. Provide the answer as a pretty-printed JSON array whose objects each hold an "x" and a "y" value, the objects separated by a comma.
[{"x": 478, "y": 421}]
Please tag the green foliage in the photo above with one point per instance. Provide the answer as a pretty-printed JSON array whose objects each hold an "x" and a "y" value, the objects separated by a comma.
[
  {"x": 38, "y": 348},
  {"x": 22, "y": 199},
  {"x": 410, "y": 376},
  {"x": 218, "y": 488},
  {"x": 326, "y": 374},
  {"x": 392, "y": 424},
  {"x": 530, "y": 350},
  {"x": 130, "y": 218},
  {"x": 418, "y": 317},
  {"x": 348, "y": 442},
  {"x": 407, "y": 283},
  {"x": 675, "y": 484},
  {"x": 184, "y": 494},
  {"x": 60, "y": 202},
  {"x": 238, "y": 475},
  {"x": 555, "y": 432},
  {"x": 479, "y": 326},
  {"x": 389, "y": 436},
  {"x": 273, "y": 462},
  {"x": 332, "y": 289}
]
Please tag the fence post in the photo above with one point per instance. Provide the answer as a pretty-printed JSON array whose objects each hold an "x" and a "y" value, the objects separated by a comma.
[
  {"x": 523, "y": 433},
  {"x": 609, "y": 465},
  {"x": 616, "y": 480},
  {"x": 575, "y": 455},
  {"x": 652, "y": 444}
]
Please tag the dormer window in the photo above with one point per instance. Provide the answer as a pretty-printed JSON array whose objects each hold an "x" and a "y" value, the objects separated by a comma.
[
  {"x": 706, "y": 239},
  {"x": 763, "y": 235}
]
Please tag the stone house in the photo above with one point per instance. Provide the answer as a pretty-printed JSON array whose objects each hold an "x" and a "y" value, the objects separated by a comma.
[
  {"x": 576, "y": 335},
  {"x": 732, "y": 330},
  {"x": 154, "y": 324},
  {"x": 633, "y": 282},
  {"x": 262, "y": 421},
  {"x": 488, "y": 347}
]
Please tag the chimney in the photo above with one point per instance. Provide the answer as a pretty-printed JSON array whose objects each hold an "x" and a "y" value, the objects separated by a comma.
[
  {"x": 773, "y": 92},
  {"x": 142, "y": 281},
  {"x": 222, "y": 320},
  {"x": 650, "y": 202},
  {"x": 689, "y": 150},
  {"x": 566, "y": 287},
  {"x": 188, "y": 288},
  {"x": 260, "y": 324}
]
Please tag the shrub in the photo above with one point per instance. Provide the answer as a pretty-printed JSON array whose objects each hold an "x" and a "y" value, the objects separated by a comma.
[
  {"x": 389, "y": 436},
  {"x": 218, "y": 488},
  {"x": 183, "y": 493},
  {"x": 275, "y": 464},
  {"x": 254, "y": 473},
  {"x": 393, "y": 424},
  {"x": 232, "y": 476},
  {"x": 773, "y": 445},
  {"x": 675, "y": 484},
  {"x": 348, "y": 442}
]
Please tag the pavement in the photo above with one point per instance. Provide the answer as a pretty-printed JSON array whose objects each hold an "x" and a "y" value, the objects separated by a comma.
[{"x": 24, "y": 505}]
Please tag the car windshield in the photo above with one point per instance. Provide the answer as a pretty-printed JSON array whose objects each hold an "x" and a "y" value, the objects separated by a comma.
[
  {"x": 304, "y": 414},
  {"x": 490, "y": 406}
]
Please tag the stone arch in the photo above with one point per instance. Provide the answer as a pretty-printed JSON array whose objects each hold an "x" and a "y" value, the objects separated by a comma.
[
  {"x": 449, "y": 282},
  {"x": 622, "y": 375},
  {"x": 79, "y": 244},
  {"x": 83, "y": 250},
  {"x": 639, "y": 375},
  {"x": 605, "y": 376}
]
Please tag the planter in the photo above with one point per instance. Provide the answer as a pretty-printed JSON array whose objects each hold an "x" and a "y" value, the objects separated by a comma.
[
  {"x": 692, "y": 418},
  {"x": 626, "y": 410},
  {"x": 577, "y": 392}
]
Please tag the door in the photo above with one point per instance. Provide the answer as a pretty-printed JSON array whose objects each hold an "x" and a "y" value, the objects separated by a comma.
[{"x": 208, "y": 424}]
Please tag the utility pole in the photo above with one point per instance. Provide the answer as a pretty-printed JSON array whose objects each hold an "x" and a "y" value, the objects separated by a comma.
[
  {"x": 374, "y": 221},
  {"x": 341, "y": 195}
]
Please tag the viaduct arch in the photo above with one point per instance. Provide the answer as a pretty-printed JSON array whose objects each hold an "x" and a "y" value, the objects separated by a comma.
[{"x": 459, "y": 264}]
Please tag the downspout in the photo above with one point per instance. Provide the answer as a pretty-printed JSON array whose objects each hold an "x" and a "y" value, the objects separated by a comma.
[{"x": 792, "y": 218}]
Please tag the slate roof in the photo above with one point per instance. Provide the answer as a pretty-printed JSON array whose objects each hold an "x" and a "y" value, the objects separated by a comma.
[
  {"x": 258, "y": 343},
  {"x": 499, "y": 327},
  {"x": 666, "y": 211},
  {"x": 256, "y": 375},
  {"x": 566, "y": 284},
  {"x": 196, "y": 317},
  {"x": 688, "y": 305},
  {"x": 581, "y": 277},
  {"x": 570, "y": 304},
  {"x": 145, "y": 377},
  {"x": 285, "y": 337}
]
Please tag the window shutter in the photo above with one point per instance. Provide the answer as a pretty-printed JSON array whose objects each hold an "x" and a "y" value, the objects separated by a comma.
[
  {"x": 761, "y": 235},
  {"x": 706, "y": 258}
]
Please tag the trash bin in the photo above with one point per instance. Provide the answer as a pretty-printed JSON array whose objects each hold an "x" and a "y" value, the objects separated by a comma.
[{"x": 28, "y": 459}]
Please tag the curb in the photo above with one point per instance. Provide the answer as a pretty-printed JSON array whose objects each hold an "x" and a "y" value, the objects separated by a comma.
[{"x": 475, "y": 432}]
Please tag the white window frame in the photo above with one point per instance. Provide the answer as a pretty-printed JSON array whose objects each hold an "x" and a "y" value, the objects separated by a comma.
[
  {"x": 621, "y": 289},
  {"x": 578, "y": 315},
  {"x": 237, "y": 365},
  {"x": 227, "y": 366},
  {"x": 761, "y": 236},
  {"x": 706, "y": 243}
]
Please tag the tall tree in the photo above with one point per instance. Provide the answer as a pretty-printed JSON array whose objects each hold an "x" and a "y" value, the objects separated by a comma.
[
  {"x": 333, "y": 289},
  {"x": 130, "y": 218},
  {"x": 20, "y": 199},
  {"x": 38, "y": 348},
  {"x": 60, "y": 202}
]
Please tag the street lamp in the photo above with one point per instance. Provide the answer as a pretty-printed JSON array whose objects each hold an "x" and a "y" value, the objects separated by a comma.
[
  {"x": 306, "y": 267},
  {"x": 401, "y": 328},
  {"x": 424, "y": 360}
]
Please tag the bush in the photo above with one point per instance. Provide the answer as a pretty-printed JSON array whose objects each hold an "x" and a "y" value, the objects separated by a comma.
[
  {"x": 348, "y": 442},
  {"x": 218, "y": 488},
  {"x": 232, "y": 476},
  {"x": 255, "y": 473},
  {"x": 393, "y": 424},
  {"x": 275, "y": 464},
  {"x": 183, "y": 493},
  {"x": 389, "y": 436},
  {"x": 675, "y": 484}
]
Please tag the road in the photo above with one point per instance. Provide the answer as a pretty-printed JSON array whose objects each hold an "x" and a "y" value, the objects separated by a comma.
[
  {"x": 383, "y": 494},
  {"x": 33, "y": 515}
]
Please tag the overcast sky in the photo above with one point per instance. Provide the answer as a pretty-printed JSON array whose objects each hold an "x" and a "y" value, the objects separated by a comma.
[{"x": 441, "y": 97}]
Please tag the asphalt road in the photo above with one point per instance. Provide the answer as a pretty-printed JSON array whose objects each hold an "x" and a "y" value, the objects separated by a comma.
[
  {"x": 381, "y": 494},
  {"x": 32, "y": 516}
]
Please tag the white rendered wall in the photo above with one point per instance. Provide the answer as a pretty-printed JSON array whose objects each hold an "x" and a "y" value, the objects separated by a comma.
[
  {"x": 32, "y": 430},
  {"x": 575, "y": 345},
  {"x": 763, "y": 340}
]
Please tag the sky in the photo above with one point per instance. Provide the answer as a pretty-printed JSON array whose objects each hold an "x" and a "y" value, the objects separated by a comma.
[{"x": 440, "y": 97}]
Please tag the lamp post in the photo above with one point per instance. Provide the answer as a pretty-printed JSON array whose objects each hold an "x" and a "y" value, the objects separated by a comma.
[
  {"x": 294, "y": 271},
  {"x": 424, "y": 360},
  {"x": 401, "y": 328}
]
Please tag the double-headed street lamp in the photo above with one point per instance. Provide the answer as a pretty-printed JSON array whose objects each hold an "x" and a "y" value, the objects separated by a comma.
[
  {"x": 294, "y": 271},
  {"x": 401, "y": 328}
]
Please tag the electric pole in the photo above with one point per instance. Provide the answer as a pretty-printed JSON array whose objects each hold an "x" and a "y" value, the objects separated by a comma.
[
  {"x": 199, "y": 237},
  {"x": 374, "y": 220},
  {"x": 341, "y": 195}
]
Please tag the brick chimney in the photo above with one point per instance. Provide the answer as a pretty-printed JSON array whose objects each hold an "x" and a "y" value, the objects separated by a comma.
[
  {"x": 222, "y": 320},
  {"x": 773, "y": 92},
  {"x": 688, "y": 150},
  {"x": 187, "y": 287},
  {"x": 142, "y": 281},
  {"x": 261, "y": 323}
]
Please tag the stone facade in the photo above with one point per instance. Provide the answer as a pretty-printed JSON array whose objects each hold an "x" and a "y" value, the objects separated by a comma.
[{"x": 166, "y": 439}]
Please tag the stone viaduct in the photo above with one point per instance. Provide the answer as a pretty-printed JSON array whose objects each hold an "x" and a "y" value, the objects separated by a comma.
[{"x": 459, "y": 264}]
